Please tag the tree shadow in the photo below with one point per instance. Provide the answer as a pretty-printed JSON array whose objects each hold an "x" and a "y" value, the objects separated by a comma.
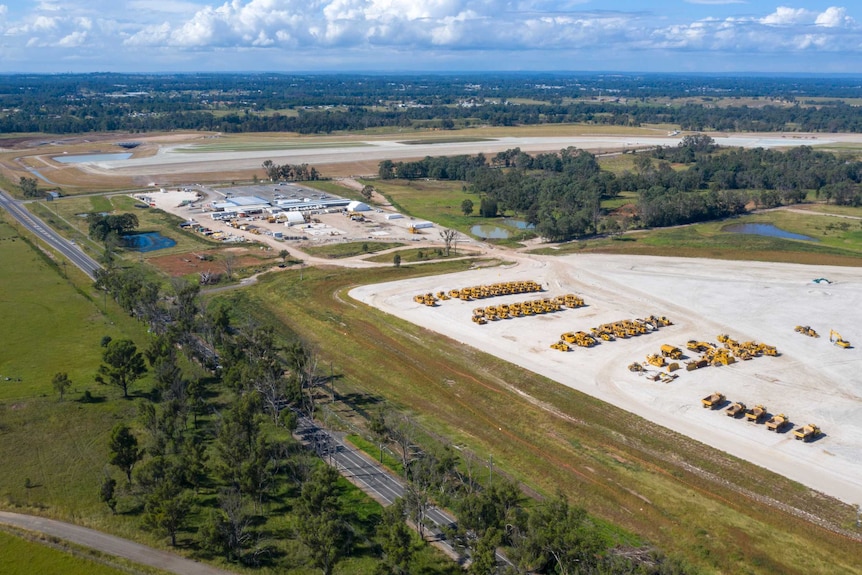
[{"x": 88, "y": 397}]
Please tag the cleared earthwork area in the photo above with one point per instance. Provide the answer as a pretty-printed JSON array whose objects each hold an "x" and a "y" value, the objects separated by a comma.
[{"x": 810, "y": 380}]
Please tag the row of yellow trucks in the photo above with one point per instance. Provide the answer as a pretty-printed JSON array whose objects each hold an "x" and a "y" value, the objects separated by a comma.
[
  {"x": 610, "y": 331},
  {"x": 759, "y": 414},
  {"x": 482, "y": 315}
]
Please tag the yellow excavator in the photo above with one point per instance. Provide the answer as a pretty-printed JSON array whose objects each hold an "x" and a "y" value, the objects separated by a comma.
[{"x": 836, "y": 338}]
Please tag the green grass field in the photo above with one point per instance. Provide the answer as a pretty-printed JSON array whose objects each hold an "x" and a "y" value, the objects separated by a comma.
[
  {"x": 440, "y": 202},
  {"x": 24, "y": 556},
  {"x": 49, "y": 323},
  {"x": 350, "y": 249}
]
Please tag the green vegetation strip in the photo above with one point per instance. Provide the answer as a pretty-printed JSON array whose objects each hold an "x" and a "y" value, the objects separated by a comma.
[
  {"x": 692, "y": 501},
  {"x": 348, "y": 250}
]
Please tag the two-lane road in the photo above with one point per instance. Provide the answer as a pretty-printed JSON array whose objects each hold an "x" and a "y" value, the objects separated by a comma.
[{"x": 43, "y": 231}]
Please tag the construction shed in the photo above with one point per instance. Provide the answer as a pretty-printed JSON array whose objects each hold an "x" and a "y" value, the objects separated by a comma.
[{"x": 394, "y": 216}]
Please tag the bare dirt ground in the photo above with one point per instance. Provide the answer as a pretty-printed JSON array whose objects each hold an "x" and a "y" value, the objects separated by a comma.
[{"x": 811, "y": 381}]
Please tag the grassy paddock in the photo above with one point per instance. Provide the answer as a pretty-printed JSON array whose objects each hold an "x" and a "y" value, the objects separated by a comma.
[
  {"x": 350, "y": 249},
  {"x": 622, "y": 468},
  {"x": 59, "y": 330},
  {"x": 24, "y": 555}
]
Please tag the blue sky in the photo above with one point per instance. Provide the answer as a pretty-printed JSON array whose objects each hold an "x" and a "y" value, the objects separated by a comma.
[{"x": 430, "y": 35}]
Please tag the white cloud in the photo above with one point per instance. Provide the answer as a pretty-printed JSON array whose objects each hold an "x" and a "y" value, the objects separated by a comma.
[
  {"x": 73, "y": 40},
  {"x": 338, "y": 29},
  {"x": 784, "y": 16},
  {"x": 834, "y": 17}
]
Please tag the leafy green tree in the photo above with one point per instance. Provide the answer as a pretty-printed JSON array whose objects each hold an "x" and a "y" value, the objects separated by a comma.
[
  {"x": 396, "y": 538},
  {"x": 396, "y": 260},
  {"x": 167, "y": 509},
  {"x": 467, "y": 207},
  {"x": 488, "y": 208},
  {"x": 122, "y": 365},
  {"x": 107, "y": 492},
  {"x": 61, "y": 382},
  {"x": 321, "y": 527},
  {"x": 124, "y": 450},
  {"x": 29, "y": 187},
  {"x": 562, "y": 538}
]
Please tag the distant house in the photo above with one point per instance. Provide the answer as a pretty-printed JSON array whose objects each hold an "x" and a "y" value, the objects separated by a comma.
[{"x": 51, "y": 196}]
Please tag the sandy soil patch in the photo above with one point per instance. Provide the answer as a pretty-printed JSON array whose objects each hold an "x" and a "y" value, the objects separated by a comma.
[{"x": 812, "y": 381}]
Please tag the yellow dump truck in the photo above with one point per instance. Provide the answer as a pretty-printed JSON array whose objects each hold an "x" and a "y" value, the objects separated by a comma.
[
  {"x": 806, "y": 432},
  {"x": 712, "y": 400},
  {"x": 671, "y": 351},
  {"x": 756, "y": 413},
  {"x": 735, "y": 409},
  {"x": 777, "y": 422}
]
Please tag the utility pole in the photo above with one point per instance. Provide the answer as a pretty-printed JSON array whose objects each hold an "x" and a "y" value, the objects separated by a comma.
[{"x": 490, "y": 469}]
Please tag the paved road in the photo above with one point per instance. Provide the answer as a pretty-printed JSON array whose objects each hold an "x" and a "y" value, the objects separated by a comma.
[
  {"x": 110, "y": 544},
  {"x": 374, "y": 479},
  {"x": 69, "y": 250},
  {"x": 367, "y": 473}
]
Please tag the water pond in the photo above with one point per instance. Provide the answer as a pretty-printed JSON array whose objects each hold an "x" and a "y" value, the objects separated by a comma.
[
  {"x": 768, "y": 230},
  {"x": 83, "y": 158},
  {"x": 147, "y": 242},
  {"x": 497, "y": 232}
]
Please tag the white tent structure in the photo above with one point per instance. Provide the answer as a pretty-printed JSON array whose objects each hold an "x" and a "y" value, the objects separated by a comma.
[
  {"x": 356, "y": 206},
  {"x": 294, "y": 218}
]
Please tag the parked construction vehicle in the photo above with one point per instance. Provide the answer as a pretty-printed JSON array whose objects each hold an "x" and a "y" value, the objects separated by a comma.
[
  {"x": 713, "y": 400},
  {"x": 836, "y": 338},
  {"x": 636, "y": 367},
  {"x": 806, "y": 330},
  {"x": 699, "y": 346},
  {"x": 756, "y": 413},
  {"x": 776, "y": 422},
  {"x": 655, "y": 359},
  {"x": 671, "y": 351},
  {"x": 806, "y": 432},
  {"x": 580, "y": 338},
  {"x": 560, "y": 345},
  {"x": 735, "y": 409},
  {"x": 695, "y": 364}
]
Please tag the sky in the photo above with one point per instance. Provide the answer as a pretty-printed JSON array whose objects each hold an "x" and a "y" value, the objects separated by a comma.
[{"x": 713, "y": 36}]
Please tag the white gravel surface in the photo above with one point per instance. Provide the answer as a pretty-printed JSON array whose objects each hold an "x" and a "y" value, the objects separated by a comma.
[{"x": 811, "y": 381}]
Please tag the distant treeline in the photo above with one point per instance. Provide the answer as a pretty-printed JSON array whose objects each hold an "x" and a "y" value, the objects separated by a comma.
[
  {"x": 65, "y": 104},
  {"x": 96, "y": 117},
  {"x": 561, "y": 193}
]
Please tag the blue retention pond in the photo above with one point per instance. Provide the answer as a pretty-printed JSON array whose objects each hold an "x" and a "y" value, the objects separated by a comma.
[
  {"x": 495, "y": 232},
  {"x": 147, "y": 242},
  {"x": 768, "y": 230}
]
